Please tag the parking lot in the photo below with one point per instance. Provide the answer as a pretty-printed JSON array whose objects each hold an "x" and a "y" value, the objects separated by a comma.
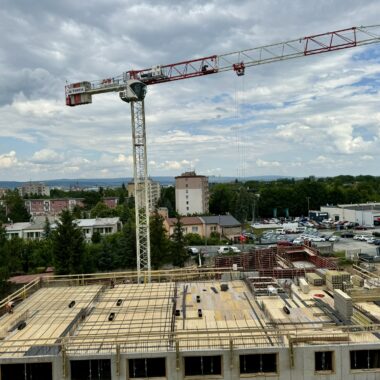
[{"x": 348, "y": 244}]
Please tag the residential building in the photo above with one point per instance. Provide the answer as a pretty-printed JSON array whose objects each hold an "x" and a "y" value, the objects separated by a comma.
[
  {"x": 154, "y": 192},
  {"x": 191, "y": 194},
  {"x": 34, "y": 188},
  {"x": 111, "y": 202},
  {"x": 3, "y": 191},
  {"x": 34, "y": 229},
  {"x": 224, "y": 225},
  {"x": 190, "y": 224},
  {"x": 367, "y": 214},
  {"x": 163, "y": 211},
  {"x": 52, "y": 206},
  {"x": 104, "y": 226}
]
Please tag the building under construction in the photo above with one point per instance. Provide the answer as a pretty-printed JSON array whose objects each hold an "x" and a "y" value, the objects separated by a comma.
[{"x": 222, "y": 323}]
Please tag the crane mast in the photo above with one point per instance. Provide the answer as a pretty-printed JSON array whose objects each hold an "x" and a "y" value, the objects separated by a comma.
[{"x": 132, "y": 88}]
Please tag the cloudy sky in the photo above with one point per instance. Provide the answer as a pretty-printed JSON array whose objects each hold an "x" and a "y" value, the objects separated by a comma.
[{"x": 316, "y": 115}]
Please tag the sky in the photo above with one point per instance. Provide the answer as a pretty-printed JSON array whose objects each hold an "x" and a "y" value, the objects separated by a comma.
[{"x": 316, "y": 115}]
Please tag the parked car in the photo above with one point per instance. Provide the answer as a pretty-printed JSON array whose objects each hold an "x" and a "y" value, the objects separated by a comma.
[
  {"x": 360, "y": 237},
  {"x": 347, "y": 235},
  {"x": 362, "y": 228},
  {"x": 228, "y": 249},
  {"x": 377, "y": 242},
  {"x": 284, "y": 243},
  {"x": 333, "y": 238},
  {"x": 371, "y": 240},
  {"x": 192, "y": 250}
]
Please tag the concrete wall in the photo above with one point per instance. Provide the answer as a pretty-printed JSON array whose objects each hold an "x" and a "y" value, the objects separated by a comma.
[
  {"x": 303, "y": 363},
  {"x": 189, "y": 201}
]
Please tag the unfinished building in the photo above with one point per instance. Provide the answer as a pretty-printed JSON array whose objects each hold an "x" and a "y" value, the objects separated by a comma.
[{"x": 192, "y": 324}]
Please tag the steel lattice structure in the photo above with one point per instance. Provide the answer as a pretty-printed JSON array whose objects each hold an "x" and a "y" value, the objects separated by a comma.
[{"x": 140, "y": 174}]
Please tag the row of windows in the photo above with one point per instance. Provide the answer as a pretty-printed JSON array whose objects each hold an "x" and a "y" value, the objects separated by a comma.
[
  {"x": 194, "y": 366},
  {"x": 193, "y": 229}
]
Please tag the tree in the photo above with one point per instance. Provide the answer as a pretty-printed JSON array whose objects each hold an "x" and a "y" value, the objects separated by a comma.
[
  {"x": 194, "y": 239},
  {"x": 221, "y": 198},
  {"x": 101, "y": 210},
  {"x": 159, "y": 243},
  {"x": 47, "y": 229},
  {"x": 126, "y": 248},
  {"x": 178, "y": 250},
  {"x": 16, "y": 207},
  {"x": 68, "y": 246},
  {"x": 3, "y": 214},
  {"x": 167, "y": 199}
]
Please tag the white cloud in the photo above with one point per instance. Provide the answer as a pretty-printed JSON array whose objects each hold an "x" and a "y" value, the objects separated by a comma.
[
  {"x": 47, "y": 156},
  {"x": 8, "y": 160},
  {"x": 267, "y": 164}
]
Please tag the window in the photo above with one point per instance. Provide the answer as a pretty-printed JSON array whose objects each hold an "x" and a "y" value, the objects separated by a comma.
[
  {"x": 187, "y": 202},
  {"x": 203, "y": 365},
  {"x": 187, "y": 191},
  {"x": 187, "y": 197},
  {"x": 27, "y": 371},
  {"x": 187, "y": 208},
  {"x": 152, "y": 367},
  {"x": 194, "y": 229},
  {"x": 365, "y": 359},
  {"x": 324, "y": 361},
  {"x": 213, "y": 228},
  {"x": 258, "y": 363},
  {"x": 91, "y": 369}
]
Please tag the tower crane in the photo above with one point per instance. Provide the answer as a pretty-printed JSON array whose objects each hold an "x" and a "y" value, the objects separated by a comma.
[{"x": 132, "y": 87}]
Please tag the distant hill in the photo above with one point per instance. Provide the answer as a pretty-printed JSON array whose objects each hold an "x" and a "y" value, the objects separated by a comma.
[{"x": 117, "y": 182}]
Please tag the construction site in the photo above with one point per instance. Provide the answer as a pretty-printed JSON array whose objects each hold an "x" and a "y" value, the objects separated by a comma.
[{"x": 281, "y": 312}]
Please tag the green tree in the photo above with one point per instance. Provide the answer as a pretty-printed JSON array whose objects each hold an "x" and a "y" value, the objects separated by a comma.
[
  {"x": 16, "y": 207},
  {"x": 126, "y": 248},
  {"x": 159, "y": 243},
  {"x": 101, "y": 210},
  {"x": 3, "y": 214},
  {"x": 96, "y": 237},
  {"x": 221, "y": 198},
  {"x": 47, "y": 229},
  {"x": 167, "y": 199},
  {"x": 194, "y": 239},
  {"x": 178, "y": 250},
  {"x": 68, "y": 246}
]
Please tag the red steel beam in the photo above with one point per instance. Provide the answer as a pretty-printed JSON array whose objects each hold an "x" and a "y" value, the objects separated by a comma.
[{"x": 337, "y": 41}]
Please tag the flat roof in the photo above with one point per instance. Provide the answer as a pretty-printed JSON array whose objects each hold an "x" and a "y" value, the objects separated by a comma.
[{"x": 155, "y": 317}]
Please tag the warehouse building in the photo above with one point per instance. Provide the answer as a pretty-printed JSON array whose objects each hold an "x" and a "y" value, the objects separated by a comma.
[
  {"x": 366, "y": 214},
  {"x": 188, "y": 325}
]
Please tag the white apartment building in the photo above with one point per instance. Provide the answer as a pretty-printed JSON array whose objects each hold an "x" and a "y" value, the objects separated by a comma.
[
  {"x": 34, "y": 188},
  {"x": 34, "y": 230},
  {"x": 191, "y": 194},
  {"x": 154, "y": 192}
]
